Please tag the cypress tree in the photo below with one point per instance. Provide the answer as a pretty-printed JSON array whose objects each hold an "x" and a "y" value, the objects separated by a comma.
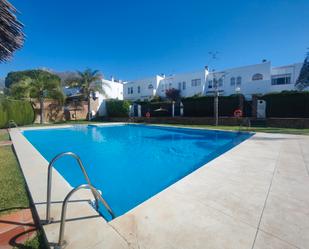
[{"x": 303, "y": 78}]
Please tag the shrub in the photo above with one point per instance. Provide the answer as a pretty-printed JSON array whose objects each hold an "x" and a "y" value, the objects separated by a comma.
[
  {"x": 3, "y": 115},
  {"x": 287, "y": 104},
  {"x": 172, "y": 94},
  {"x": 118, "y": 108},
  {"x": 20, "y": 111},
  {"x": 204, "y": 106}
]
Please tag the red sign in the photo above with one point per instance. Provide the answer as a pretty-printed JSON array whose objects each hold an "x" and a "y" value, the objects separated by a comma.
[{"x": 238, "y": 113}]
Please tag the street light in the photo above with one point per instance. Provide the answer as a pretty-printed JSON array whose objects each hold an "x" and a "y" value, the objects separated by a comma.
[
  {"x": 216, "y": 102},
  {"x": 216, "y": 81},
  {"x": 237, "y": 90}
]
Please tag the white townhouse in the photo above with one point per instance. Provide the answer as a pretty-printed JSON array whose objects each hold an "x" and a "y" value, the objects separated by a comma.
[
  {"x": 142, "y": 89},
  {"x": 189, "y": 84},
  {"x": 113, "y": 90},
  {"x": 248, "y": 80},
  {"x": 253, "y": 79}
]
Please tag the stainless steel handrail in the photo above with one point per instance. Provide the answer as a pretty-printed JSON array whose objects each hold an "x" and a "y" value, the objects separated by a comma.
[
  {"x": 95, "y": 192},
  {"x": 49, "y": 180}
]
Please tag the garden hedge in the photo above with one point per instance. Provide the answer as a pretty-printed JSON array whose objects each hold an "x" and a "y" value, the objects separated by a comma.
[
  {"x": 20, "y": 111},
  {"x": 118, "y": 108},
  {"x": 289, "y": 104},
  {"x": 204, "y": 106}
]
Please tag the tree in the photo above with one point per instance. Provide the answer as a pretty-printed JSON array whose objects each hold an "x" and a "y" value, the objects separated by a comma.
[
  {"x": 11, "y": 31},
  {"x": 172, "y": 94},
  {"x": 89, "y": 82},
  {"x": 39, "y": 85},
  {"x": 303, "y": 78},
  {"x": 20, "y": 90}
]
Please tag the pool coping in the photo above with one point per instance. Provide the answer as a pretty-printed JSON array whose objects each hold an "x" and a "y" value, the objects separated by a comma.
[
  {"x": 115, "y": 233},
  {"x": 34, "y": 168}
]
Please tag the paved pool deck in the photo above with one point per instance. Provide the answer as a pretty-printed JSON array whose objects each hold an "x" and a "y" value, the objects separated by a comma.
[{"x": 255, "y": 196}]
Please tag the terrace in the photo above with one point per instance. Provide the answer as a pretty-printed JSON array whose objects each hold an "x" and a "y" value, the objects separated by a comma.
[{"x": 253, "y": 196}]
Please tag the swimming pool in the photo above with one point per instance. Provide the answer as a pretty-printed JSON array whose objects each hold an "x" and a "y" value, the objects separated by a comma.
[{"x": 131, "y": 163}]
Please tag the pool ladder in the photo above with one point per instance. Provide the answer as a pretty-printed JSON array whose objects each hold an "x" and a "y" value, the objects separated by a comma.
[{"x": 97, "y": 196}]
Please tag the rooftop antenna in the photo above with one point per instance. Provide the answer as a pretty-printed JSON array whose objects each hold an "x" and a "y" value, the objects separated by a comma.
[{"x": 213, "y": 55}]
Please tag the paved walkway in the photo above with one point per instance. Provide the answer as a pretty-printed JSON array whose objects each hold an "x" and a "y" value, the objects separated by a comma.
[
  {"x": 16, "y": 228},
  {"x": 5, "y": 143},
  {"x": 255, "y": 196}
]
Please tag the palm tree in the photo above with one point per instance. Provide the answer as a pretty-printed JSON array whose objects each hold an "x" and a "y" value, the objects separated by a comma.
[
  {"x": 11, "y": 34},
  {"x": 45, "y": 85},
  {"x": 40, "y": 86},
  {"x": 89, "y": 82}
]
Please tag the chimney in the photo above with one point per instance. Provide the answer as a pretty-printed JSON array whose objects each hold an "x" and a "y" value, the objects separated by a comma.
[{"x": 112, "y": 78}]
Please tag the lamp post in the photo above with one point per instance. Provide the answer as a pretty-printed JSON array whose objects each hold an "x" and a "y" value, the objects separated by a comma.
[
  {"x": 216, "y": 102},
  {"x": 237, "y": 90},
  {"x": 216, "y": 81}
]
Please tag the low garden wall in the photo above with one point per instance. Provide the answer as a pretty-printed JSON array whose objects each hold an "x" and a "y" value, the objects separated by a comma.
[{"x": 300, "y": 123}]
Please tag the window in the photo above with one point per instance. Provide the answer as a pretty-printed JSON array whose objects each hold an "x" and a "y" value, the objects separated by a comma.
[
  {"x": 210, "y": 84},
  {"x": 238, "y": 80},
  {"x": 130, "y": 90},
  {"x": 179, "y": 86},
  {"x": 257, "y": 76},
  {"x": 196, "y": 82},
  {"x": 220, "y": 82},
  {"x": 233, "y": 81},
  {"x": 281, "y": 79},
  {"x": 138, "y": 89},
  {"x": 183, "y": 85},
  {"x": 150, "y": 86}
]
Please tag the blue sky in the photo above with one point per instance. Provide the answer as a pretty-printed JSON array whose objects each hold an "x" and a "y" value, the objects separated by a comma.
[{"x": 134, "y": 39}]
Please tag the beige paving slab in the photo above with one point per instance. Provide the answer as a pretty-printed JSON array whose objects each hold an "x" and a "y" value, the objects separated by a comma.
[
  {"x": 286, "y": 213},
  {"x": 253, "y": 196},
  {"x": 241, "y": 200},
  {"x": 267, "y": 241},
  {"x": 287, "y": 219},
  {"x": 171, "y": 220}
]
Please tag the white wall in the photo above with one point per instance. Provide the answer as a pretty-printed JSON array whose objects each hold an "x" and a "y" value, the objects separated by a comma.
[
  {"x": 248, "y": 86},
  {"x": 293, "y": 70},
  {"x": 113, "y": 89},
  {"x": 177, "y": 81},
  {"x": 148, "y": 88}
]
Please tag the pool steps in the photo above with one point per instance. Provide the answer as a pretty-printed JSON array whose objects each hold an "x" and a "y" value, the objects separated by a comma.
[{"x": 96, "y": 193}]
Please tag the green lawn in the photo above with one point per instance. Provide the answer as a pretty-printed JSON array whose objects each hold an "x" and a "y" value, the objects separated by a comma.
[
  {"x": 253, "y": 129},
  {"x": 13, "y": 194},
  {"x": 220, "y": 127},
  {"x": 4, "y": 135}
]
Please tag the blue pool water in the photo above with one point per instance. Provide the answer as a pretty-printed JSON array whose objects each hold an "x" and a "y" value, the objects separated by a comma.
[{"x": 131, "y": 163}]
